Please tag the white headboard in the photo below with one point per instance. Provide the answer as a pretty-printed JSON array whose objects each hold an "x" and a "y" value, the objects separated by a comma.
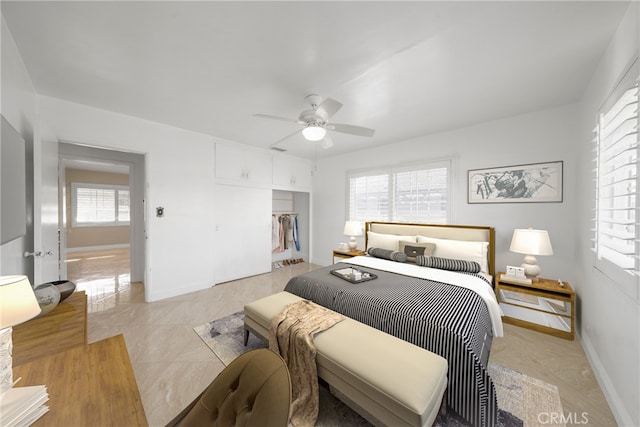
[{"x": 471, "y": 233}]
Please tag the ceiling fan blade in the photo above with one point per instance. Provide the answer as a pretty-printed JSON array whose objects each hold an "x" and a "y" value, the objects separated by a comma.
[
  {"x": 281, "y": 140},
  {"x": 351, "y": 129},
  {"x": 329, "y": 107},
  {"x": 284, "y": 119}
]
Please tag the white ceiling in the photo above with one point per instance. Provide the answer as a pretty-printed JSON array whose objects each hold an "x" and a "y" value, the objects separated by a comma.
[{"x": 404, "y": 69}]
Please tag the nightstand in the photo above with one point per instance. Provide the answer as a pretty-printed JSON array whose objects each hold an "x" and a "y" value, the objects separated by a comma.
[
  {"x": 543, "y": 306},
  {"x": 338, "y": 253}
]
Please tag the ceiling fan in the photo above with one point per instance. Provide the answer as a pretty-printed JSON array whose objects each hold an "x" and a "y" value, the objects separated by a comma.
[{"x": 316, "y": 122}]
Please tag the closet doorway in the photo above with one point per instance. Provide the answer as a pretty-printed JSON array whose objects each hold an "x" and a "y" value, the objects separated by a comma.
[{"x": 290, "y": 228}]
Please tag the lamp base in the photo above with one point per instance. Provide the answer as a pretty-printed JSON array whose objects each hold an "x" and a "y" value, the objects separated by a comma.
[
  {"x": 353, "y": 244},
  {"x": 531, "y": 268},
  {"x": 6, "y": 363}
]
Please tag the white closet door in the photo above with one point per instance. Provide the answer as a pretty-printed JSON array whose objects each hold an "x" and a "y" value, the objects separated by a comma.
[{"x": 243, "y": 232}]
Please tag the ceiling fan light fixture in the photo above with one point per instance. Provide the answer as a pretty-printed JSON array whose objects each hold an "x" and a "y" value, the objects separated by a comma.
[{"x": 314, "y": 133}]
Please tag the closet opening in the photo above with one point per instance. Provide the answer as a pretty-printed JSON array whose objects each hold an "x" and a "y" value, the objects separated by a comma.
[{"x": 290, "y": 228}]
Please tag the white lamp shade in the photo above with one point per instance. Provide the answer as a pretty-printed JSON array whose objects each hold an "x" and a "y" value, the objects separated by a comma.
[
  {"x": 352, "y": 228},
  {"x": 314, "y": 133},
  {"x": 18, "y": 303},
  {"x": 531, "y": 242}
]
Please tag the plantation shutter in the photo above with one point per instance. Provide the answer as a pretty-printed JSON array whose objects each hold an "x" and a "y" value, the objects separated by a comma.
[
  {"x": 616, "y": 227},
  {"x": 417, "y": 193},
  {"x": 95, "y": 205},
  {"x": 369, "y": 197},
  {"x": 421, "y": 195},
  {"x": 98, "y": 204}
]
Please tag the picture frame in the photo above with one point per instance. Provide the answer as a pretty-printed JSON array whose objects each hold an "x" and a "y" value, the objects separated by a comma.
[{"x": 528, "y": 183}]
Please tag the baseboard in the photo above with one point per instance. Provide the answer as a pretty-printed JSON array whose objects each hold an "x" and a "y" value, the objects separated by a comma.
[
  {"x": 98, "y": 248},
  {"x": 622, "y": 416}
]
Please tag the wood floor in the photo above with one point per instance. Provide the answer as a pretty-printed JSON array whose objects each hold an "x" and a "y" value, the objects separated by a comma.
[{"x": 172, "y": 365}]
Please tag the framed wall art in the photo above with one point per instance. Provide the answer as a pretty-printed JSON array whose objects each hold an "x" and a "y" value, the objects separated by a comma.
[{"x": 532, "y": 183}]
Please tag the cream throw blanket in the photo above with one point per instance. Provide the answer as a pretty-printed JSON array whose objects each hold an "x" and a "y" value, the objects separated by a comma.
[{"x": 291, "y": 335}]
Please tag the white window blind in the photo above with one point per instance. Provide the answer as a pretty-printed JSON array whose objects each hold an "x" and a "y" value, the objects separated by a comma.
[
  {"x": 417, "y": 193},
  {"x": 616, "y": 228},
  {"x": 123, "y": 206},
  {"x": 99, "y": 205},
  {"x": 369, "y": 197}
]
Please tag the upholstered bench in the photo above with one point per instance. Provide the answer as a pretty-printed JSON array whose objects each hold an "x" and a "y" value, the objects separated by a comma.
[{"x": 387, "y": 380}]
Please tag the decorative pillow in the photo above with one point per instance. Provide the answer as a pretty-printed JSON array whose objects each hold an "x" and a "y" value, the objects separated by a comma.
[
  {"x": 386, "y": 241},
  {"x": 460, "y": 249},
  {"x": 387, "y": 254},
  {"x": 448, "y": 264},
  {"x": 412, "y": 249}
]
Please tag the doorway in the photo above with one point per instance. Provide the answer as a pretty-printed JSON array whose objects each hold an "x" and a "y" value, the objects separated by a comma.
[{"x": 101, "y": 207}]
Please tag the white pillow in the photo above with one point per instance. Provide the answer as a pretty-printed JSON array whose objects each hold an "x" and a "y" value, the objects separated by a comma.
[
  {"x": 460, "y": 249},
  {"x": 386, "y": 241}
]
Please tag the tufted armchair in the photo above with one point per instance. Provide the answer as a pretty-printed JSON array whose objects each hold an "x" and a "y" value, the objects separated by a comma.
[{"x": 253, "y": 390}]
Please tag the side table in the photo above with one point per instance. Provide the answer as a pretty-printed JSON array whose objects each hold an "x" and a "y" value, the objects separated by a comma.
[
  {"x": 544, "y": 306},
  {"x": 62, "y": 329},
  {"x": 338, "y": 253},
  {"x": 90, "y": 385}
]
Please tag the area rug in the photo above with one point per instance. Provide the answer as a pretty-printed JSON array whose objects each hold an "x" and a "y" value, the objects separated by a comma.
[{"x": 520, "y": 398}]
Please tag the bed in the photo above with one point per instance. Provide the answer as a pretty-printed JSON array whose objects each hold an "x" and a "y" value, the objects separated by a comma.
[{"x": 451, "y": 313}]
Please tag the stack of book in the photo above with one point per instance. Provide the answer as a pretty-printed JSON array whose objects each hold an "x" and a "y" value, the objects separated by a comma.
[
  {"x": 516, "y": 279},
  {"x": 22, "y": 406}
]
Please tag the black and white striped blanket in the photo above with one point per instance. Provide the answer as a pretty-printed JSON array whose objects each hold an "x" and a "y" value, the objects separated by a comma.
[{"x": 451, "y": 321}]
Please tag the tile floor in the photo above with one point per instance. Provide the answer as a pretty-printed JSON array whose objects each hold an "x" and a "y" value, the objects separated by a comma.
[{"x": 172, "y": 365}]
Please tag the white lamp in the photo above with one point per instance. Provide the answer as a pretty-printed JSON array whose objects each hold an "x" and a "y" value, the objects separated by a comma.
[
  {"x": 531, "y": 242},
  {"x": 353, "y": 229},
  {"x": 314, "y": 132},
  {"x": 18, "y": 304}
]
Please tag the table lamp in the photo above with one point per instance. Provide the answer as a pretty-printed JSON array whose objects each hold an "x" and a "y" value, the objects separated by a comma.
[
  {"x": 353, "y": 229},
  {"x": 18, "y": 304},
  {"x": 531, "y": 242}
]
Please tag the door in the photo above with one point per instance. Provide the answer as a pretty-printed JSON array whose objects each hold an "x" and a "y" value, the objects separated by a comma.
[
  {"x": 46, "y": 249},
  {"x": 243, "y": 232}
]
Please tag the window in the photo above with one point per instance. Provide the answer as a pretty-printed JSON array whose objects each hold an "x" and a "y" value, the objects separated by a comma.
[
  {"x": 418, "y": 193},
  {"x": 99, "y": 205},
  {"x": 616, "y": 176}
]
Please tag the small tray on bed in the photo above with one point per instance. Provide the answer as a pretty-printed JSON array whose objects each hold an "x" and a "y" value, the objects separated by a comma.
[{"x": 349, "y": 274}]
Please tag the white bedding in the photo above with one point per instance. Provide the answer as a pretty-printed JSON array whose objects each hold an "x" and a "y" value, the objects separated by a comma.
[{"x": 476, "y": 284}]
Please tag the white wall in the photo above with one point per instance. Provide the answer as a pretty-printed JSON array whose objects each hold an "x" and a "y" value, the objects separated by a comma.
[
  {"x": 609, "y": 313},
  {"x": 19, "y": 108},
  {"x": 543, "y": 136},
  {"x": 179, "y": 177}
]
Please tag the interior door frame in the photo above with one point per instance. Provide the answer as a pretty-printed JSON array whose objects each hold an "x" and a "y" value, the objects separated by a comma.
[{"x": 136, "y": 163}]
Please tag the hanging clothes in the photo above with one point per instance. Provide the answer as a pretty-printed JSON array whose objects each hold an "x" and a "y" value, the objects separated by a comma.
[
  {"x": 284, "y": 232},
  {"x": 275, "y": 233},
  {"x": 283, "y": 244},
  {"x": 288, "y": 228},
  {"x": 296, "y": 236},
  {"x": 278, "y": 235}
]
